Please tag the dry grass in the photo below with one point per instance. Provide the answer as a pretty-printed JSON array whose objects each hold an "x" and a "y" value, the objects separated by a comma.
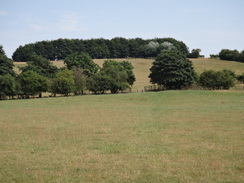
[
  {"x": 202, "y": 64},
  {"x": 174, "y": 136}
]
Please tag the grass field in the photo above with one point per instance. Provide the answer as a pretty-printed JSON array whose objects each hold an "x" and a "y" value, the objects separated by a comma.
[{"x": 170, "y": 136}]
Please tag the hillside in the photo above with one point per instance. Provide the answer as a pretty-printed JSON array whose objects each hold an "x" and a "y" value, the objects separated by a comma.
[
  {"x": 142, "y": 66},
  {"x": 171, "y": 136}
]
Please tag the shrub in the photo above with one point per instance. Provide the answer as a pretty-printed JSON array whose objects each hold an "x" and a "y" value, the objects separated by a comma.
[{"x": 211, "y": 79}]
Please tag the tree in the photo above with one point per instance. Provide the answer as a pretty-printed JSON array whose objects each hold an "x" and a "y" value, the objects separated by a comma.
[
  {"x": 211, "y": 79},
  {"x": 24, "y": 53},
  {"x": 63, "y": 83},
  {"x": 116, "y": 75},
  {"x": 80, "y": 80},
  {"x": 98, "y": 83},
  {"x": 129, "y": 70},
  {"x": 241, "y": 78},
  {"x": 195, "y": 53},
  {"x": 41, "y": 66},
  {"x": 119, "y": 48},
  {"x": 172, "y": 70},
  {"x": 232, "y": 55},
  {"x": 241, "y": 57},
  {"x": 33, "y": 83},
  {"x": 6, "y": 66},
  {"x": 83, "y": 61},
  {"x": 7, "y": 86},
  {"x": 2, "y": 52}
]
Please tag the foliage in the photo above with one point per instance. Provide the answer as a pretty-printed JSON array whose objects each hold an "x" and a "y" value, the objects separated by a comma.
[
  {"x": 211, "y": 79},
  {"x": 117, "y": 47},
  {"x": 6, "y": 65},
  {"x": 98, "y": 83},
  {"x": 80, "y": 80},
  {"x": 129, "y": 70},
  {"x": 33, "y": 83},
  {"x": 232, "y": 55},
  {"x": 213, "y": 56},
  {"x": 172, "y": 70},
  {"x": 63, "y": 83},
  {"x": 195, "y": 53},
  {"x": 241, "y": 78},
  {"x": 24, "y": 53},
  {"x": 41, "y": 66},
  {"x": 83, "y": 61},
  {"x": 2, "y": 52},
  {"x": 114, "y": 76},
  {"x": 7, "y": 86}
]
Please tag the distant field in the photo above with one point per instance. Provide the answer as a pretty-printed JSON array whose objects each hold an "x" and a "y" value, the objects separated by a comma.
[
  {"x": 142, "y": 66},
  {"x": 171, "y": 136}
]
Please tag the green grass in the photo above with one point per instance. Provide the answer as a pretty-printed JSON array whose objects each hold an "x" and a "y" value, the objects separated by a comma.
[{"x": 172, "y": 136}]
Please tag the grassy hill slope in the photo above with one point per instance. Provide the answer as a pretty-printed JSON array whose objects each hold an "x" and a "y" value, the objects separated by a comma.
[{"x": 171, "y": 136}]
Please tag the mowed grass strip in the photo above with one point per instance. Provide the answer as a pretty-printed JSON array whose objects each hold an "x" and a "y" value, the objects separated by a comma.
[{"x": 171, "y": 136}]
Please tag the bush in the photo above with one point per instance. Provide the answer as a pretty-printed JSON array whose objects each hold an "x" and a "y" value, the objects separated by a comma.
[
  {"x": 232, "y": 55},
  {"x": 241, "y": 78},
  {"x": 32, "y": 83},
  {"x": 211, "y": 79},
  {"x": 63, "y": 83}
]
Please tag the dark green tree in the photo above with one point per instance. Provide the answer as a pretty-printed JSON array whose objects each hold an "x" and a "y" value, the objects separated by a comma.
[
  {"x": 7, "y": 86},
  {"x": 116, "y": 75},
  {"x": 98, "y": 83},
  {"x": 24, "y": 53},
  {"x": 129, "y": 70},
  {"x": 33, "y": 83},
  {"x": 195, "y": 53},
  {"x": 211, "y": 79},
  {"x": 226, "y": 54},
  {"x": 63, "y": 83},
  {"x": 6, "y": 65},
  {"x": 172, "y": 70},
  {"x": 83, "y": 61},
  {"x": 2, "y": 52},
  {"x": 241, "y": 78},
  {"x": 241, "y": 57},
  {"x": 41, "y": 66},
  {"x": 119, "y": 48}
]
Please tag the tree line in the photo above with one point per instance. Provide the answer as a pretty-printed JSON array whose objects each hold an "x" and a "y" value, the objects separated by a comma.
[
  {"x": 230, "y": 55},
  {"x": 171, "y": 69},
  {"x": 79, "y": 75},
  {"x": 117, "y": 47}
]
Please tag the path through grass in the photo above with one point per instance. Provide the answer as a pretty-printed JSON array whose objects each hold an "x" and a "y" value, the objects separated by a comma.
[{"x": 172, "y": 136}]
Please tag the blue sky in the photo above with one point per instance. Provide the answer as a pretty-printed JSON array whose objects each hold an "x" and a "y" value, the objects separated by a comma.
[{"x": 210, "y": 25}]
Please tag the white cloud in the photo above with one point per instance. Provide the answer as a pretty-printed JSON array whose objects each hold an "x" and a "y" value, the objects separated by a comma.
[
  {"x": 70, "y": 22},
  {"x": 3, "y": 13}
]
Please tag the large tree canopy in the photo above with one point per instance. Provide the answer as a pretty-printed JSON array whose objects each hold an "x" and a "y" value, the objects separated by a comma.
[
  {"x": 33, "y": 83},
  {"x": 117, "y": 47},
  {"x": 114, "y": 76},
  {"x": 83, "y": 61},
  {"x": 41, "y": 66},
  {"x": 172, "y": 70},
  {"x": 63, "y": 83},
  {"x": 6, "y": 65}
]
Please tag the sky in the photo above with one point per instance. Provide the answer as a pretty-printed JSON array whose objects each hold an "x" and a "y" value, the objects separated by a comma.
[{"x": 210, "y": 25}]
